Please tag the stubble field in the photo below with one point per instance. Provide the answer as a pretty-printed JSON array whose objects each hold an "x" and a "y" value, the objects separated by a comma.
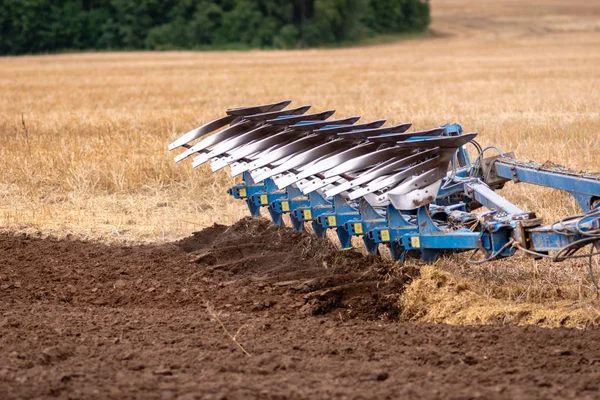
[{"x": 83, "y": 157}]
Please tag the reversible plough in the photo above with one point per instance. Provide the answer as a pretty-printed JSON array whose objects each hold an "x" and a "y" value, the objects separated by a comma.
[{"x": 414, "y": 192}]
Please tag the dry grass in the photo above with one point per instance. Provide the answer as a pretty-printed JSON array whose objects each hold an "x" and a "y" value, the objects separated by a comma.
[
  {"x": 83, "y": 137},
  {"x": 439, "y": 296}
]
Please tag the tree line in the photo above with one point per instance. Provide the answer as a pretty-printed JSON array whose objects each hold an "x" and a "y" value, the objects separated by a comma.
[{"x": 33, "y": 26}]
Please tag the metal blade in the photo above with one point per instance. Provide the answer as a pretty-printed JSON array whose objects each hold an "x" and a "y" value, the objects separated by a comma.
[
  {"x": 367, "y": 160},
  {"x": 310, "y": 126},
  {"x": 340, "y": 129},
  {"x": 233, "y": 116},
  {"x": 444, "y": 142},
  {"x": 251, "y": 121},
  {"x": 225, "y": 134},
  {"x": 398, "y": 137},
  {"x": 280, "y": 138},
  {"x": 275, "y": 114},
  {"x": 365, "y": 133},
  {"x": 201, "y": 131},
  {"x": 287, "y": 150},
  {"x": 304, "y": 158},
  {"x": 394, "y": 179},
  {"x": 243, "y": 111},
  {"x": 416, "y": 192},
  {"x": 317, "y": 184},
  {"x": 385, "y": 168},
  {"x": 337, "y": 159},
  {"x": 235, "y": 142},
  {"x": 288, "y": 120}
]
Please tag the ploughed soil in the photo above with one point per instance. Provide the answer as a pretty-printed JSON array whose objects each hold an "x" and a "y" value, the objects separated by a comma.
[{"x": 253, "y": 311}]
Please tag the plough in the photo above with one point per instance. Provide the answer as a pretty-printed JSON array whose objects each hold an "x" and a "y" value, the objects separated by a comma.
[{"x": 415, "y": 193}]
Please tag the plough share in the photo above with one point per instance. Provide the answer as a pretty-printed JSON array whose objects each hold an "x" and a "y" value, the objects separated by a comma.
[{"x": 414, "y": 192}]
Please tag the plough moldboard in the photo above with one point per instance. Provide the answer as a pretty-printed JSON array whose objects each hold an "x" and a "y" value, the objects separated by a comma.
[{"x": 415, "y": 192}]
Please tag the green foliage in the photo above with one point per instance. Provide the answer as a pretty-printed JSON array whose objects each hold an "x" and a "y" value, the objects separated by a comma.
[{"x": 33, "y": 26}]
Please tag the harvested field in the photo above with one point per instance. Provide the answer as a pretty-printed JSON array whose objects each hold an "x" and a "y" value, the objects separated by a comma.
[{"x": 88, "y": 320}]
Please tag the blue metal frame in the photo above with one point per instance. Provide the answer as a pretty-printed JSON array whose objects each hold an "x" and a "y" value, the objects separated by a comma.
[
  {"x": 584, "y": 189},
  {"x": 426, "y": 232}
]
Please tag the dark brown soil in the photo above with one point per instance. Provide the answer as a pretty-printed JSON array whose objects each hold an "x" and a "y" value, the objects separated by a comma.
[{"x": 87, "y": 320}]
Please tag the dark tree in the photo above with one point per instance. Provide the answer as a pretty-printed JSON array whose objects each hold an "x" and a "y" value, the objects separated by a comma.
[{"x": 33, "y": 26}]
